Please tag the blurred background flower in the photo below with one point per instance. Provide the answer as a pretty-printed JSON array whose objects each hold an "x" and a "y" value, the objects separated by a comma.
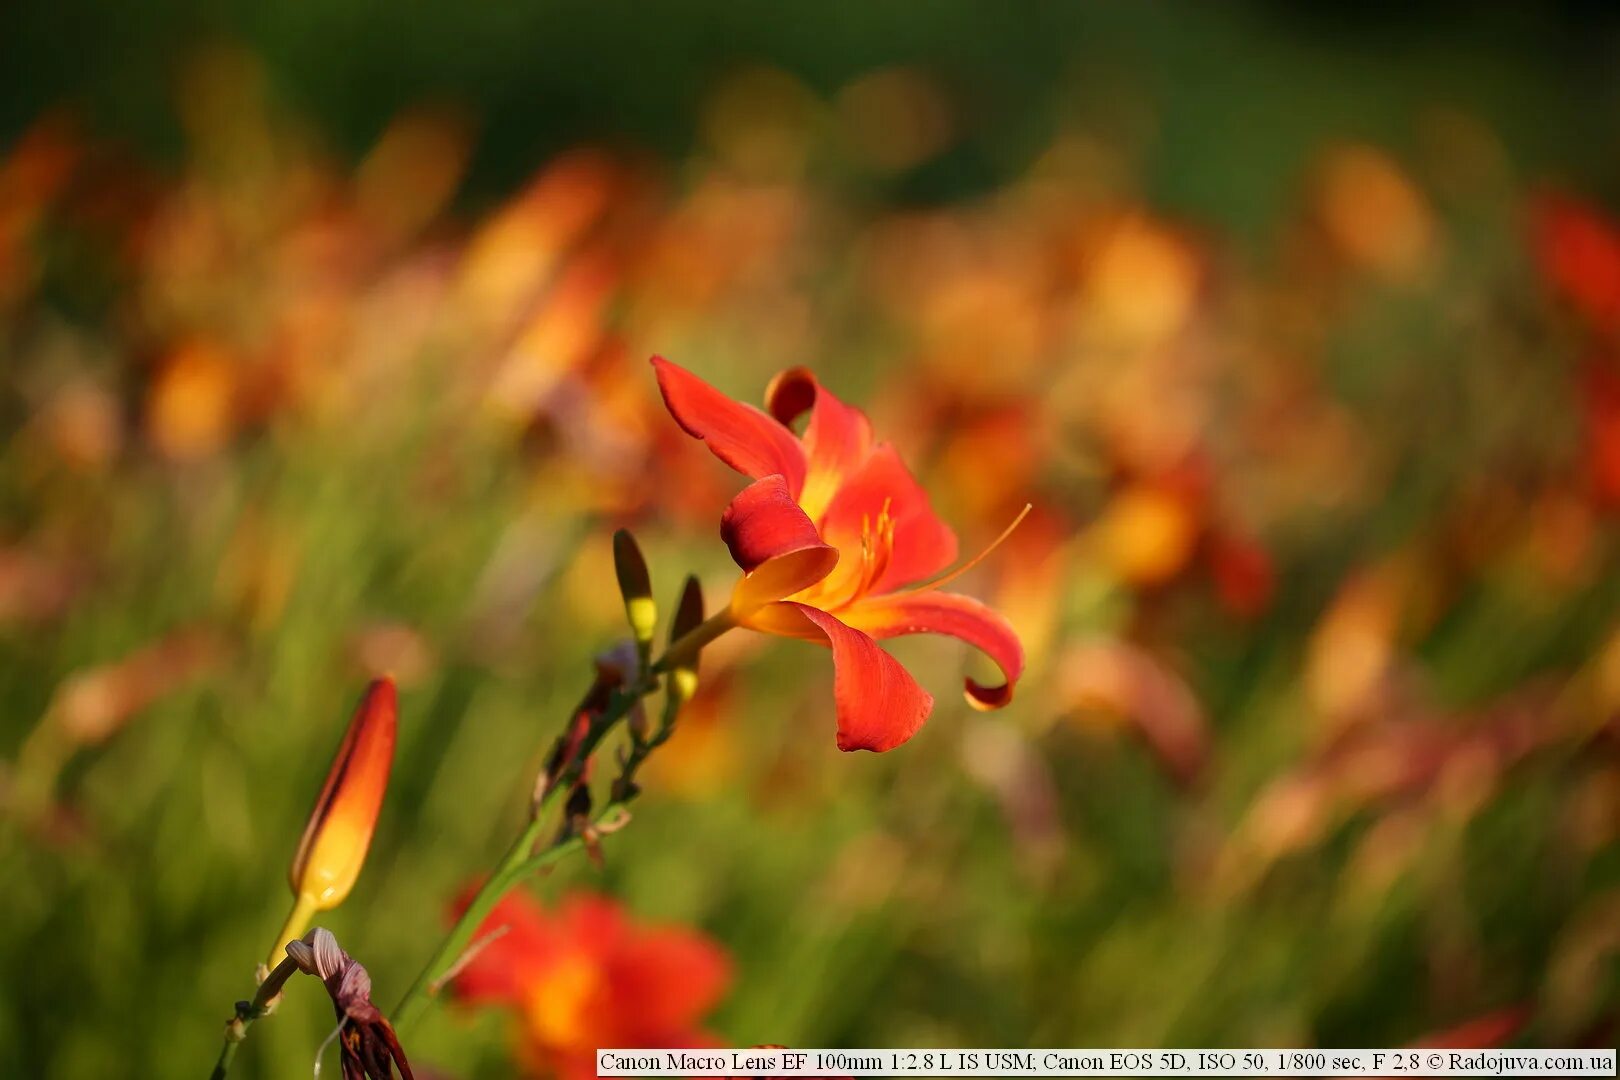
[
  {"x": 585, "y": 976},
  {"x": 325, "y": 357}
]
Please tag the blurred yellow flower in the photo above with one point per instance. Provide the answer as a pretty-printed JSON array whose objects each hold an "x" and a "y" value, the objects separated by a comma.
[{"x": 1145, "y": 535}]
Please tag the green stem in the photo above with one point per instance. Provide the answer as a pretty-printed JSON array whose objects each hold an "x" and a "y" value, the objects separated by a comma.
[
  {"x": 519, "y": 861},
  {"x": 264, "y": 1000},
  {"x": 223, "y": 1065},
  {"x": 303, "y": 910},
  {"x": 641, "y": 749},
  {"x": 461, "y": 934},
  {"x": 683, "y": 651},
  {"x": 515, "y": 865}
]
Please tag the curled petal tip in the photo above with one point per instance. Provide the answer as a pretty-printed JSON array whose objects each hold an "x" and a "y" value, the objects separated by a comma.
[
  {"x": 987, "y": 698},
  {"x": 791, "y": 394},
  {"x": 957, "y": 616}
]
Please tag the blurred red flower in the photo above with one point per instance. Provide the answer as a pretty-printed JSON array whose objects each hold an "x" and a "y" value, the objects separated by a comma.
[
  {"x": 1579, "y": 252},
  {"x": 584, "y": 977},
  {"x": 832, "y": 536},
  {"x": 1601, "y": 393}
]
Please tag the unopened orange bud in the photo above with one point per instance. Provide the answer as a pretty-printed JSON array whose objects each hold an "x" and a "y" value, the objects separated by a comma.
[{"x": 333, "y": 847}]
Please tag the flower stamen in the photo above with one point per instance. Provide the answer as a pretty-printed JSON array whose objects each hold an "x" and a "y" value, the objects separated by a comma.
[
  {"x": 877, "y": 547},
  {"x": 952, "y": 575}
]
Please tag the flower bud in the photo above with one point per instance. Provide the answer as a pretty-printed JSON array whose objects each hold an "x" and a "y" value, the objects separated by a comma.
[
  {"x": 688, "y": 617},
  {"x": 635, "y": 585},
  {"x": 335, "y": 840}
]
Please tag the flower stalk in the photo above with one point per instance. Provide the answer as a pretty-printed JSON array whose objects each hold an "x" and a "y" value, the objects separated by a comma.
[
  {"x": 262, "y": 1004},
  {"x": 684, "y": 651},
  {"x": 691, "y": 633},
  {"x": 519, "y": 862},
  {"x": 334, "y": 842}
]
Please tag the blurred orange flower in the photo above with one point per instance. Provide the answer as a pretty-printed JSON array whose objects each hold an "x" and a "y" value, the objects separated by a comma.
[
  {"x": 1373, "y": 213},
  {"x": 1128, "y": 685},
  {"x": 831, "y": 537},
  {"x": 584, "y": 976},
  {"x": 1146, "y": 534},
  {"x": 190, "y": 406}
]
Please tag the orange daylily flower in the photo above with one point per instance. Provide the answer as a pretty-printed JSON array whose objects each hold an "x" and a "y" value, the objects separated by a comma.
[
  {"x": 833, "y": 537},
  {"x": 584, "y": 976},
  {"x": 333, "y": 847}
]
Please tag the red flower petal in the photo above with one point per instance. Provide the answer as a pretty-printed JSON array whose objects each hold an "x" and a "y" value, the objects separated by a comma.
[
  {"x": 774, "y": 543},
  {"x": 596, "y": 922},
  {"x": 923, "y": 544},
  {"x": 667, "y": 979},
  {"x": 763, "y": 522},
  {"x": 961, "y": 617},
  {"x": 739, "y": 435},
  {"x": 880, "y": 705},
  {"x": 836, "y": 442},
  {"x": 502, "y": 972}
]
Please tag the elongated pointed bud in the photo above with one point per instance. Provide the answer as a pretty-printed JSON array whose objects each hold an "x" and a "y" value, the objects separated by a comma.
[
  {"x": 635, "y": 585},
  {"x": 333, "y": 847},
  {"x": 683, "y": 680}
]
